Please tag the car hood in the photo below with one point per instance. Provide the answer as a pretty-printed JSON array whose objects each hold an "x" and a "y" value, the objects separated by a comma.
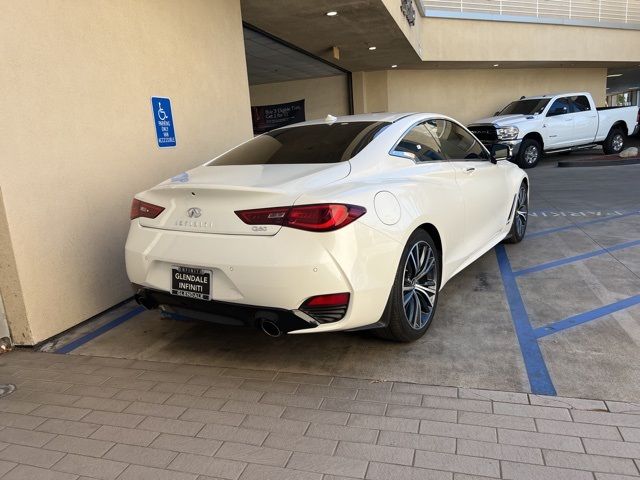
[{"x": 503, "y": 120}]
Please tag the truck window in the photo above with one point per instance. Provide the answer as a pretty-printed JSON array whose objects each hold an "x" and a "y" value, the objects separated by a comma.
[
  {"x": 560, "y": 107},
  {"x": 580, "y": 103}
]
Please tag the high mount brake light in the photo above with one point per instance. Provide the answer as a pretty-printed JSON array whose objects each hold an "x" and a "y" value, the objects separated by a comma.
[
  {"x": 314, "y": 218},
  {"x": 144, "y": 209}
]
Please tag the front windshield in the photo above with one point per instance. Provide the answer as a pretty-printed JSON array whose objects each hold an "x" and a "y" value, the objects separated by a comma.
[{"x": 525, "y": 107}]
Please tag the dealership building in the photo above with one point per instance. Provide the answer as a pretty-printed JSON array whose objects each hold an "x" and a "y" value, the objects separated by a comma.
[{"x": 105, "y": 98}]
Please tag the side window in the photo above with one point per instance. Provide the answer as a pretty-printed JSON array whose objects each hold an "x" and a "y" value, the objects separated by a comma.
[
  {"x": 580, "y": 103},
  {"x": 456, "y": 142},
  {"x": 420, "y": 143},
  {"x": 559, "y": 107}
]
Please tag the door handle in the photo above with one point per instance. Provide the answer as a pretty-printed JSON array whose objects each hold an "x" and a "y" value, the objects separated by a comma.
[{"x": 469, "y": 170}]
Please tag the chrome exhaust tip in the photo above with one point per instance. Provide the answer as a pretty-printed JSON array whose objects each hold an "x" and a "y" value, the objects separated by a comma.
[{"x": 270, "y": 328}]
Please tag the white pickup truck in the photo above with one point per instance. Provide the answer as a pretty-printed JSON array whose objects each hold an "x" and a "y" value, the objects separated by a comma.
[{"x": 556, "y": 123}]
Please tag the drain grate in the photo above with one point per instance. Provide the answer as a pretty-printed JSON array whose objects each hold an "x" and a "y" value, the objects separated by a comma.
[{"x": 6, "y": 389}]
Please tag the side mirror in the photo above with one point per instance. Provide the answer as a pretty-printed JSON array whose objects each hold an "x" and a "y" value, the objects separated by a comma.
[{"x": 499, "y": 151}]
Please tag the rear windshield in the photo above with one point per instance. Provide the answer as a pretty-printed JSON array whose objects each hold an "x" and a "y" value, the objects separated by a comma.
[
  {"x": 337, "y": 142},
  {"x": 525, "y": 107}
]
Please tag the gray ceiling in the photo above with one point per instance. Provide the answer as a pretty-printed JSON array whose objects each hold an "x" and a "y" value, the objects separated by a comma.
[
  {"x": 269, "y": 61},
  {"x": 630, "y": 79}
]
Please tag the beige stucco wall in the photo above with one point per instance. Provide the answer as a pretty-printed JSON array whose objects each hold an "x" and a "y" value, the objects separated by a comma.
[
  {"x": 478, "y": 40},
  {"x": 323, "y": 96},
  {"x": 473, "y": 93},
  {"x": 78, "y": 134}
]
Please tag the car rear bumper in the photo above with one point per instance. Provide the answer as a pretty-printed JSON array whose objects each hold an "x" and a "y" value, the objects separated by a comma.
[
  {"x": 220, "y": 312},
  {"x": 277, "y": 273}
]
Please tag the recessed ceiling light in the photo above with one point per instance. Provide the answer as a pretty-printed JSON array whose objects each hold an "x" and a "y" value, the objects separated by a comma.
[
  {"x": 614, "y": 75},
  {"x": 394, "y": 66},
  {"x": 372, "y": 48},
  {"x": 496, "y": 64},
  {"x": 332, "y": 13}
]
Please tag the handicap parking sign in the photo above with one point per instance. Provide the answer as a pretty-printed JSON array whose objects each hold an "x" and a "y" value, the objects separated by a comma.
[{"x": 164, "y": 122}]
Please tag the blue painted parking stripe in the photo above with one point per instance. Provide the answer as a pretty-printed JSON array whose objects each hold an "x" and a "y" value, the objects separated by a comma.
[
  {"x": 586, "y": 316},
  {"x": 578, "y": 225},
  {"x": 99, "y": 331},
  {"x": 576, "y": 258},
  {"x": 537, "y": 372}
]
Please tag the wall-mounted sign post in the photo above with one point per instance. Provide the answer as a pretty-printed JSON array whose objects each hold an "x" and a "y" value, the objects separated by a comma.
[{"x": 164, "y": 122}]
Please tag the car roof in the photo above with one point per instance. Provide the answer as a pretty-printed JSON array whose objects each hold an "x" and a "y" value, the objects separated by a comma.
[
  {"x": 551, "y": 95},
  {"x": 366, "y": 117}
]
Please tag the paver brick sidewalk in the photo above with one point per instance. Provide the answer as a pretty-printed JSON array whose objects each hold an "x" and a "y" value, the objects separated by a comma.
[{"x": 80, "y": 417}]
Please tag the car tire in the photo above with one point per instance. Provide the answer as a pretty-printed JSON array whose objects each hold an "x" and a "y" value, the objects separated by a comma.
[
  {"x": 529, "y": 154},
  {"x": 520, "y": 216},
  {"x": 614, "y": 143},
  {"x": 403, "y": 322}
]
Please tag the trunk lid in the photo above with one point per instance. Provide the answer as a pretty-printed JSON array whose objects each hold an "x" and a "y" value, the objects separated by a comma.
[{"x": 205, "y": 199}]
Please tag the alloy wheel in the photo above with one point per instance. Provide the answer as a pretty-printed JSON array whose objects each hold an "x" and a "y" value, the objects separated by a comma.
[
  {"x": 531, "y": 154},
  {"x": 617, "y": 142},
  {"x": 522, "y": 211},
  {"x": 420, "y": 285}
]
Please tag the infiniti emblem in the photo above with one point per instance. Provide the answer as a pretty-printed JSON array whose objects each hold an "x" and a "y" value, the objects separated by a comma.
[{"x": 194, "y": 212}]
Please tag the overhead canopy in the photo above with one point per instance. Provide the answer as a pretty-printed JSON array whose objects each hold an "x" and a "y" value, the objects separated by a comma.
[
  {"x": 360, "y": 24},
  {"x": 270, "y": 61}
]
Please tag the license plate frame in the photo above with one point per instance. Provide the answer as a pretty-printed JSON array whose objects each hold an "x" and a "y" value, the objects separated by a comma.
[{"x": 191, "y": 282}]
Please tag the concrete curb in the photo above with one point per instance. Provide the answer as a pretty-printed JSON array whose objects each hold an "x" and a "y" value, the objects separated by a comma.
[{"x": 599, "y": 162}]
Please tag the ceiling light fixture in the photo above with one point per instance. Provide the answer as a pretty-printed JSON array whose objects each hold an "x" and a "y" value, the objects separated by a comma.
[
  {"x": 332, "y": 13},
  {"x": 372, "y": 48},
  {"x": 614, "y": 75},
  {"x": 496, "y": 64},
  {"x": 394, "y": 66}
]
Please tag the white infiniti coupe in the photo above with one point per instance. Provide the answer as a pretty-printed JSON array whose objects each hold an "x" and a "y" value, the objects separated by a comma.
[{"x": 348, "y": 223}]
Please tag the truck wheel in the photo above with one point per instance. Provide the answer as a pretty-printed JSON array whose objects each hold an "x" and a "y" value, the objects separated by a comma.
[
  {"x": 529, "y": 154},
  {"x": 614, "y": 143}
]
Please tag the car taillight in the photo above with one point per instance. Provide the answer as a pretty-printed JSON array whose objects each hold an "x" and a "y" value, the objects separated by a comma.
[
  {"x": 144, "y": 209},
  {"x": 326, "y": 308},
  {"x": 314, "y": 218}
]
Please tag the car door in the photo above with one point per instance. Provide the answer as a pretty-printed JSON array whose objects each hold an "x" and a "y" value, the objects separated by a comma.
[
  {"x": 557, "y": 129},
  {"x": 585, "y": 120},
  {"x": 433, "y": 193},
  {"x": 483, "y": 184}
]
